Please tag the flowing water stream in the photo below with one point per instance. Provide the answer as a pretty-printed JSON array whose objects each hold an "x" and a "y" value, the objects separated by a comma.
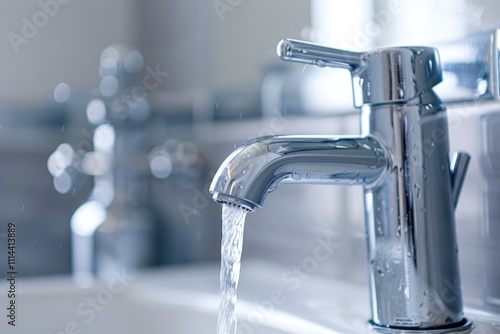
[{"x": 233, "y": 224}]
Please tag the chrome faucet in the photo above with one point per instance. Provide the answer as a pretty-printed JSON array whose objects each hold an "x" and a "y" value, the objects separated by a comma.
[{"x": 401, "y": 158}]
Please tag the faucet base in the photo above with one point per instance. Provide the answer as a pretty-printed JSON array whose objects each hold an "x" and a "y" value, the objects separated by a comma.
[{"x": 466, "y": 327}]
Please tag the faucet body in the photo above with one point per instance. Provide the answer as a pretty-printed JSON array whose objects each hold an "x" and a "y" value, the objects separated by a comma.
[
  {"x": 401, "y": 158},
  {"x": 412, "y": 249}
]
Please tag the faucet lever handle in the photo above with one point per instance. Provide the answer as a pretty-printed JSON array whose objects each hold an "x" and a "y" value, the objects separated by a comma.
[
  {"x": 314, "y": 54},
  {"x": 386, "y": 75}
]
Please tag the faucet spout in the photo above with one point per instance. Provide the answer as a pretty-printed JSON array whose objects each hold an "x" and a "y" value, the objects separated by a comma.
[
  {"x": 257, "y": 167},
  {"x": 402, "y": 160}
]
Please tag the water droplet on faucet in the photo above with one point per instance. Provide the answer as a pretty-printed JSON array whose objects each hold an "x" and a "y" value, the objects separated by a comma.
[
  {"x": 418, "y": 191},
  {"x": 379, "y": 230},
  {"x": 320, "y": 62},
  {"x": 273, "y": 186},
  {"x": 401, "y": 93}
]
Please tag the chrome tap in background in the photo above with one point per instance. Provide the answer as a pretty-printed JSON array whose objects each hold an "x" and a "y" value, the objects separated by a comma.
[
  {"x": 413, "y": 187},
  {"x": 114, "y": 228},
  {"x": 117, "y": 227},
  {"x": 470, "y": 67}
]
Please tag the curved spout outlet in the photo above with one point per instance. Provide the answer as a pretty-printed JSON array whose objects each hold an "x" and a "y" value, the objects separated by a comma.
[{"x": 257, "y": 167}]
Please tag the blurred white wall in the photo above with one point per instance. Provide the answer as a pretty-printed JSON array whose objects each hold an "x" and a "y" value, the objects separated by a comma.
[
  {"x": 217, "y": 45},
  {"x": 64, "y": 46},
  {"x": 428, "y": 22},
  {"x": 340, "y": 24},
  {"x": 202, "y": 44},
  {"x": 247, "y": 36}
]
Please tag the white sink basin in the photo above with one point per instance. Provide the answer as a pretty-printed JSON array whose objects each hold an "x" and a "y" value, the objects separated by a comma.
[
  {"x": 178, "y": 301},
  {"x": 185, "y": 300}
]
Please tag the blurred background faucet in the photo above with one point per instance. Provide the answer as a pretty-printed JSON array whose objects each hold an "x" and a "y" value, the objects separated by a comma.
[
  {"x": 114, "y": 229},
  {"x": 402, "y": 160}
]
